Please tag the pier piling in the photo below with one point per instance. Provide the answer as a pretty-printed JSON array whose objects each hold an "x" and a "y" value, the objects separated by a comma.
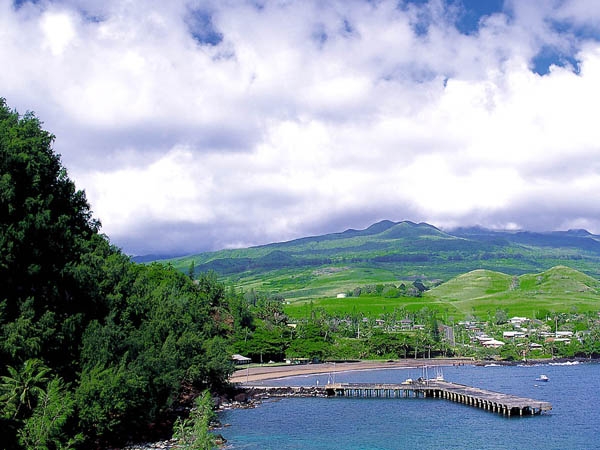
[{"x": 505, "y": 404}]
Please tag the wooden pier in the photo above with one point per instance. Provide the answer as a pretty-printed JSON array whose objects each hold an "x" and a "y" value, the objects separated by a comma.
[
  {"x": 505, "y": 404},
  {"x": 508, "y": 405}
]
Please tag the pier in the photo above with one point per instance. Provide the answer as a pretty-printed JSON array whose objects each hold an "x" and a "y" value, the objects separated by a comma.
[
  {"x": 508, "y": 405},
  {"x": 505, "y": 404}
]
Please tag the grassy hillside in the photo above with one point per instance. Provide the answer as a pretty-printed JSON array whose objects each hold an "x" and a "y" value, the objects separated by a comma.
[
  {"x": 321, "y": 266},
  {"x": 478, "y": 293},
  {"x": 482, "y": 292}
]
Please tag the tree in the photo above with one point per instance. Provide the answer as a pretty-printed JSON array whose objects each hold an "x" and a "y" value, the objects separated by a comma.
[
  {"x": 193, "y": 433},
  {"x": 192, "y": 270},
  {"x": 45, "y": 223},
  {"x": 122, "y": 336},
  {"x": 20, "y": 389},
  {"x": 501, "y": 316},
  {"x": 43, "y": 430}
]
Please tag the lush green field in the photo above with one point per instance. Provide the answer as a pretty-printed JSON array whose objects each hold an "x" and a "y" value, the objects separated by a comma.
[
  {"x": 479, "y": 293},
  {"x": 367, "y": 305}
]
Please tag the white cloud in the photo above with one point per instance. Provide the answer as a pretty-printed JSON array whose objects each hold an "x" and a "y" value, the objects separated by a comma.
[
  {"x": 170, "y": 189},
  {"x": 58, "y": 32},
  {"x": 307, "y": 114}
]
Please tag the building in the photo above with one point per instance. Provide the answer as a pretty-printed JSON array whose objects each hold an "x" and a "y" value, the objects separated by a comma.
[
  {"x": 239, "y": 359},
  {"x": 492, "y": 343}
]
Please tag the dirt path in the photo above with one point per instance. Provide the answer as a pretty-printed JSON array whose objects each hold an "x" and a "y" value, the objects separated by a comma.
[{"x": 251, "y": 374}]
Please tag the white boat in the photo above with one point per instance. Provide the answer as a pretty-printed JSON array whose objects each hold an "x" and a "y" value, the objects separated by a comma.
[
  {"x": 542, "y": 378},
  {"x": 439, "y": 374}
]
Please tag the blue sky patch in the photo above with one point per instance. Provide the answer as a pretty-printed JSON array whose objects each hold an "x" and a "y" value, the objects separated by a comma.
[
  {"x": 549, "y": 56},
  {"x": 201, "y": 27},
  {"x": 472, "y": 11}
]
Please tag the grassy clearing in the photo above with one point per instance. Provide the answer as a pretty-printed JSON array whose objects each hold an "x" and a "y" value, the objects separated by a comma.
[
  {"x": 367, "y": 305},
  {"x": 478, "y": 293}
]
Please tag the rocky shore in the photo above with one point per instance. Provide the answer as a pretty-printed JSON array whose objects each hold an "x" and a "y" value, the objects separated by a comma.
[{"x": 242, "y": 398}]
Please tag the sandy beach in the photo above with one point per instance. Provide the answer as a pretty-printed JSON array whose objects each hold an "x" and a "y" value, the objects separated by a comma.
[{"x": 251, "y": 374}]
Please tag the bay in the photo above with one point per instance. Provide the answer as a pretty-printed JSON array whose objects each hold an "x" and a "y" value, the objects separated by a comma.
[{"x": 381, "y": 424}]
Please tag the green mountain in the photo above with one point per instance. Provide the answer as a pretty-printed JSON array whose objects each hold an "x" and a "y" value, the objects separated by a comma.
[{"x": 392, "y": 251}]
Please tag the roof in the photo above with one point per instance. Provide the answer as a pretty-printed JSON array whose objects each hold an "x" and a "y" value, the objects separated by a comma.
[{"x": 492, "y": 343}]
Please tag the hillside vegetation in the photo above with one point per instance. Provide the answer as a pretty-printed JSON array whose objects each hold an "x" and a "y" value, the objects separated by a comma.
[
  {"x": 94, "y": 349},
  {"x": 559, "y": 289},
  {"x": 479, "y": 293},
  {"x": 391, "y": 252}
]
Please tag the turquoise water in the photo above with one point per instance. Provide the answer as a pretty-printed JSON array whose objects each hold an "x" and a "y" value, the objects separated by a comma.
[{"x": 378, "y": 424}]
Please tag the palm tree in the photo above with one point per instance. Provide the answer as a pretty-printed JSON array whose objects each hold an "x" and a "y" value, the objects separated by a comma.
[{"x": 20, "y": 389}]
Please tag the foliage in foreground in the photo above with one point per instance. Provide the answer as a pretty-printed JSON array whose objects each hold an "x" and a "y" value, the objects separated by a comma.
[
  {"x": 93, "y": 348},
  {"x": 193, "y": 433}
]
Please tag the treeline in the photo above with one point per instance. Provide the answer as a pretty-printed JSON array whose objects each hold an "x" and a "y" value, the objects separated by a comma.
[
  {"x": 270, "y": 335},
  {"x": 94, "y": 348},
  {"x": 390, "y": 290}
]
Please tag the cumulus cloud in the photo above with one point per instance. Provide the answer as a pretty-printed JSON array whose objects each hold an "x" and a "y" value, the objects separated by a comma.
[{"x": 198, "y": 125}]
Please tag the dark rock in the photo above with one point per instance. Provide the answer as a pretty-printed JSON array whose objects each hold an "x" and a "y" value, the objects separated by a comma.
[
  {"x": 219, "y": 439},
  {"x": 242, "y": 397}
]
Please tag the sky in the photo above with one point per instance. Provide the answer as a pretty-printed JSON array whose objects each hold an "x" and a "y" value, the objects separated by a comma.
[{"x": 198, "y": 125}]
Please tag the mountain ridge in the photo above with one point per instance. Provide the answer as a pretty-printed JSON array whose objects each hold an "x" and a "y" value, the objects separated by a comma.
[{"x": 401, "y": 250}]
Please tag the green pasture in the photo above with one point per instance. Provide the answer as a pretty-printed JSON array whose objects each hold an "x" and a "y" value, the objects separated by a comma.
[
  {"x": 366, "y": 305},
  {"x": 482, "y": 292},
  {"x": 479, "y": 293}
]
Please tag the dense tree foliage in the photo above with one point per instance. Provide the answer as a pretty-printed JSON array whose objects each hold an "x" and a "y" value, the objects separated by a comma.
[{"x": 93, "y": 347}]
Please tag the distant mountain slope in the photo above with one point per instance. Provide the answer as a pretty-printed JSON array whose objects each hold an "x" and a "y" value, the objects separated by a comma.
[
  {"x": 575, "y": 239},
  {"x": 388, "y": 251}
]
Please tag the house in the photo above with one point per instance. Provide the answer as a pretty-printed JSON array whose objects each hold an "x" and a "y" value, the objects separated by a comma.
[
  {"x": 517, "y": 321},
  {"x": 406, "y": 324},
  {"x": 564, "y": 334},
  {"x": 492, "y": 343},
  {"x": 513, "y": 334},
  {"x": 239, "y": 359}
]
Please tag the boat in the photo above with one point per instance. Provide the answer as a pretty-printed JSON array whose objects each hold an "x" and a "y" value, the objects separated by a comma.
[
  {"x": 439, "y": 374},
  {"x": 542, "y": 378}
]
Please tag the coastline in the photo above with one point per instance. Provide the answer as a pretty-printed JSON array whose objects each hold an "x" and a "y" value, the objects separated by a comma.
[{"x": 262, "y": 373}]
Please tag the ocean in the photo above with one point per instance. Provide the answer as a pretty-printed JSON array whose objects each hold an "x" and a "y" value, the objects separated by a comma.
[{"x": 411, "y": 423}]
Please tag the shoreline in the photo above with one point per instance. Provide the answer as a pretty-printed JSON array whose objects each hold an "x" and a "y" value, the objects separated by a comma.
[
  {"x": 243, "y": 376},
  {"x": 262, "y": 373}
]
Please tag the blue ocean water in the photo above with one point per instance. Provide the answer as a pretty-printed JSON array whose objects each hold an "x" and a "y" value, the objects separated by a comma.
[{"x": 381, "y": 424}]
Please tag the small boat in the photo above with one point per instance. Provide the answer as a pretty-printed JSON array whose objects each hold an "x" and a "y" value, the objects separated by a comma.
[
  {"x": 439, "y": 374},
  {"x": 542, "y": 378}
]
